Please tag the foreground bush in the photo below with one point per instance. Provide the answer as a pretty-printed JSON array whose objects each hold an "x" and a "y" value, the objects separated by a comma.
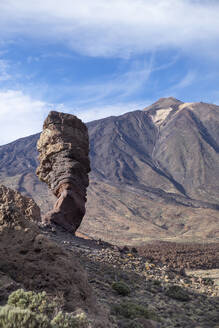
[
  {"x": 35, "y": 310},
  {"x": 67, "y": 320},
  {"x": 35, "y": 302},
  {"x": 12, "y": 317}
]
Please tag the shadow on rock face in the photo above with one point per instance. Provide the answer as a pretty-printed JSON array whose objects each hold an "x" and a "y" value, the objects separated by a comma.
[{"x": 64, "y": 166}]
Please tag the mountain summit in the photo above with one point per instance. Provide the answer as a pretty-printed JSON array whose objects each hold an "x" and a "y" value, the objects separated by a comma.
[
  {"x": 164, "y": 103},
  {"x": 155, "y": 173},
  {"x": 170, "y": 145}
]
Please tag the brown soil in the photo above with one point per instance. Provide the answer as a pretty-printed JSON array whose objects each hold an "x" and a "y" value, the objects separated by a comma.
[
  {"x": 187, "y": 255},
  {"x": 30, "y": 260}
]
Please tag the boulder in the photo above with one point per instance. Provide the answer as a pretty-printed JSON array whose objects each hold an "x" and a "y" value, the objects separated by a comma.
[{"x": 64, "y": 165}]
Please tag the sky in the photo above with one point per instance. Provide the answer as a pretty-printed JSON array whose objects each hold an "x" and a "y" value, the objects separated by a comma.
[{"x": 102, "y": 57}]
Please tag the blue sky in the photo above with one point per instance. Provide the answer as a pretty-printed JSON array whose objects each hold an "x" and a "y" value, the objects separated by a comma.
[{"x": 100, "y": 58}]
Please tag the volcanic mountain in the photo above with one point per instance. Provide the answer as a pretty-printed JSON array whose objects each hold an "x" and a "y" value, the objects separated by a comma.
[{"x": 155, "y": 173}]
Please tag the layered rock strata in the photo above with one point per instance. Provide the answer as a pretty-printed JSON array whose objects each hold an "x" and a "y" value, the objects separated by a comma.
[{"x": 64, "y": 165}]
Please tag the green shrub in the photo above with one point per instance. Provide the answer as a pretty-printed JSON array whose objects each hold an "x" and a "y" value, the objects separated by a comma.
[
  {"x": 70, "y": 320},
  {"x": 157, "y": 283},
  {"x": 208, "y": 281},
  {"x": 13, "y": 317},
  {"x": 35, "y": 302},
  {"x": 35, "y": 310},
  {"x": 121, "y": 288},
  {"x": 178, "y": 293},
  {"x": 131, "y": 310}
]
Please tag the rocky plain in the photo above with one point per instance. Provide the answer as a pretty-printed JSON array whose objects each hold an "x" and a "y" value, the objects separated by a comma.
[{"x": 146, "y": 253}]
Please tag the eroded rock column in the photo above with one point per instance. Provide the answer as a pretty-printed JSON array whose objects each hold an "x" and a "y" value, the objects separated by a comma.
[{"x": 64, "y": 165}]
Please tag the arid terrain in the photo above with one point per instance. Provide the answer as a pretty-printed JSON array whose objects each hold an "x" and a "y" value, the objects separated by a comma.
[
  {"x": 183, "y": 255},
  {"x": 154, "y": 173},
  {"x": 147, "y": 252},
  {"x": 149, "y": 283},
  {"x": 128, "y": 288}
]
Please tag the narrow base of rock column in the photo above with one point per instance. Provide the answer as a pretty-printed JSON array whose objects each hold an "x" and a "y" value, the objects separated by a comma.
[{"x": 68, "y": 210}]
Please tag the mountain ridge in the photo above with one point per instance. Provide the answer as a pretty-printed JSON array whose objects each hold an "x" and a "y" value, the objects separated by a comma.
[{"x": 168, "y": 160}]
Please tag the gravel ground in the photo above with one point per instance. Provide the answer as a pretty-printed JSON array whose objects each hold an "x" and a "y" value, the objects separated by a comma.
[
  {"x": 170, "y": 296},
  {"x": 187, "y": 255}
]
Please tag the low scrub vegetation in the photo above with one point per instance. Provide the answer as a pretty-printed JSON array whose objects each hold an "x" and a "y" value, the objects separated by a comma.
[
  {"x": 36, "y": 310},
  {"x": 178, "y": 293},
  {"x": 121, "y": 288},
  {"x": 131, "y": 310}
]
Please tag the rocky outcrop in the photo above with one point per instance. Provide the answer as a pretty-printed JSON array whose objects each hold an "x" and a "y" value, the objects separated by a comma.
[
  {"x": 64, "y": 166},
  {"x": 28, "y": 259},
  {"x": 11, "y": 203}
]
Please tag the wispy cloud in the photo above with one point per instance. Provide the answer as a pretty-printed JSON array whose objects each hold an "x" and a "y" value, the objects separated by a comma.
[
  {"x": 117, "y": 86},
  {"x": 185, "y": 81},
  {"x": 116, "y": 28},
  {"x": 178, "y": 86},
  {"x": 147, "y": 37}
]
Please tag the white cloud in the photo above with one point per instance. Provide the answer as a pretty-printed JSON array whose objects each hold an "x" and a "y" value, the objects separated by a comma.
[
  {"x": 20, "y": 115},
  {"x": 116, "y": 27}
]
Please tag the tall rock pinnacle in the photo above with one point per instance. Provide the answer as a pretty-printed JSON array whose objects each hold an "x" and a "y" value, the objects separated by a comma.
[{"x": 64, "y": 165}]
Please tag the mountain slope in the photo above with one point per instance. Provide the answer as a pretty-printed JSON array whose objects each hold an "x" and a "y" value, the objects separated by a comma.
[
  {"x": 155, "y": 173},
  {"x": 174, "y": 149},
  {"x": 188, "y": 149}
]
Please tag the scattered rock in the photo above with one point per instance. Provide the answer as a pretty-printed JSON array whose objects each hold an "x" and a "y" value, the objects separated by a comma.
[
  {"x": 64, "y": 166},
  {"x": 37, "y": 263},
  {"x": 39, "y": 259},
  {"x": 181, "y": 256}
]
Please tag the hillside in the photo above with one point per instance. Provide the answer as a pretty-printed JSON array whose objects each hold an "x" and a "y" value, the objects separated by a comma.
[
  {"x": 155, "y": 173},
  {"x": 169, "y": 147},
  {"x": 50, "y": 278}
]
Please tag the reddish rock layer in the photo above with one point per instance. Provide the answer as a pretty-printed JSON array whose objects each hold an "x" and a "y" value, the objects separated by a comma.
[{"x": 64, "y": 166}]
